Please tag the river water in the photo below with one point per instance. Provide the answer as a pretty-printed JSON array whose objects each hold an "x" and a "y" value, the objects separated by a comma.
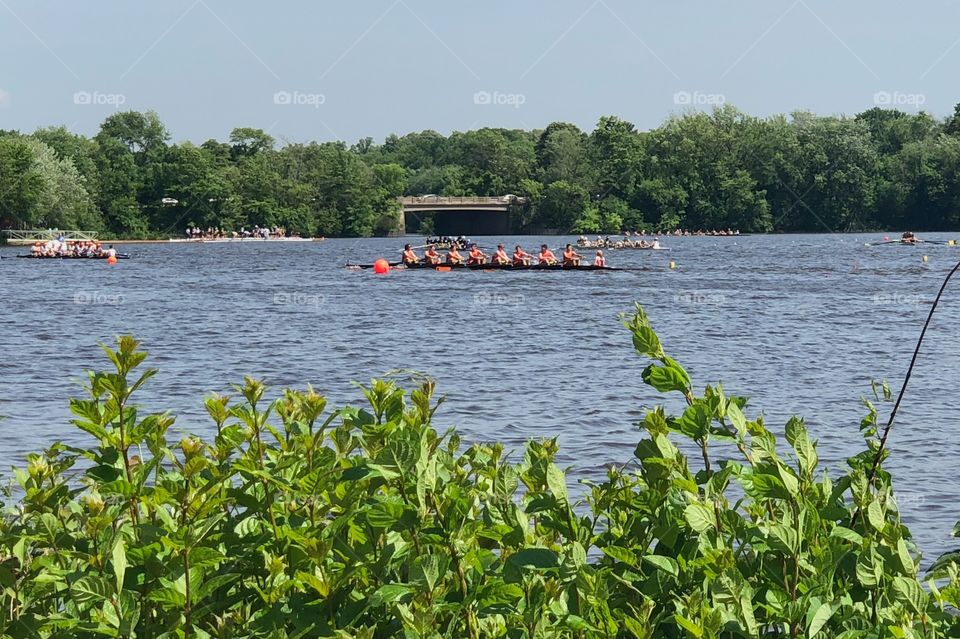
[{"x": 798, "y": 323}]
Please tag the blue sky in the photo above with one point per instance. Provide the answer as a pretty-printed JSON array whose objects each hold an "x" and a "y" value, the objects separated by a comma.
[{"x": 335, "y": 70}]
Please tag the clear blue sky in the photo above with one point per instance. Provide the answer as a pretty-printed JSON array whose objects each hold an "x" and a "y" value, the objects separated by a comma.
[{"x": 382, "y": 66}]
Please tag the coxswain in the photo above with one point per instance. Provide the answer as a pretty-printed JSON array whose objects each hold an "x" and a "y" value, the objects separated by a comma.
[
  {"x": 546, "y": 256},
  {"x": 521, "y": 257},
  {"x": 453, "y": 256},
  {"x": 656, "y": 243},
  {"x": 500, "y": 257},
  {"x": 600, "y": 261},
  {"x": 110, "y": 252},
  {"x": 571, "y": 257},
  {"x": 431, "y": 255},
  {"x": 409, "y": 256},
  {"x": 476, "y": 255}
]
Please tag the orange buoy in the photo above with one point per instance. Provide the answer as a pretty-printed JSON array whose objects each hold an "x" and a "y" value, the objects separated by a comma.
[
  {"x": 381, "y": 267},
  {"x": 112, "y": 259},
  {"x": 443, "y": 269}
]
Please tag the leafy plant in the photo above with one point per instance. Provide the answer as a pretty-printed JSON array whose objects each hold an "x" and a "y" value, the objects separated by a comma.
[{"x": 299, "y": 521}]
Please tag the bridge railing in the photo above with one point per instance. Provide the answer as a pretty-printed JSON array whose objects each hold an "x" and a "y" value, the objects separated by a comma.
[
  {"x": 461, "y": 200},
  {"x": 21, "y": 236}
]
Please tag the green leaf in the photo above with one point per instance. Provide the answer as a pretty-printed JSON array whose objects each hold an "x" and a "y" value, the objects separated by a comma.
[
  {"x": 910, "y": 593},
  {"x": 91, "y": 589},
  {"x": 668, "y": 565},
  {"x": 736, "y": 417},
  {"x": 847, "y": 534},
  {"x": 119, "y": 561},
  {"x": 557, "y": 483},
  {"x": 646, "y": 342},
  {"x": 540, "y": 558},
  {"x": 620, "y": 554},
  {"x": 866, "y": 571},
  {"x": 699, "y": 517},
  {"x": 875, "y": 515},
  {"x": 906, "y": 561},
  {"x": 390, "y": 593},
  {"x": 688, "y": 625},
  {"x": 818, "y": 614},
  {"x": 667, "y": 378}
]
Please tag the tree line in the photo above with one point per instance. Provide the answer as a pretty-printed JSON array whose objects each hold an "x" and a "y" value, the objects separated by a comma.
[{"x": 883, "y": 168}]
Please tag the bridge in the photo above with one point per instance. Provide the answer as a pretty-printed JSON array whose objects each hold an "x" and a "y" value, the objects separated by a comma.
[{"x": 454, "y": 215}]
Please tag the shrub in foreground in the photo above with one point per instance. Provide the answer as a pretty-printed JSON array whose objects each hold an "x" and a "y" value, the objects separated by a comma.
[{"x": 298, "y": 521}]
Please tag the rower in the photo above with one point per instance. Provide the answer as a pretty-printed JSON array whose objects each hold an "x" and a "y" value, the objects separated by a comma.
[
  {"x": 431, "y": 255},
  {"x": 453, "y": 256},
  {"x": 500, "y": 257},
  {"x": 521, "y": 257},
  {"x": 476, "y": 255},
  {"x": 409, "y": 256},
  {"x": 909, "y": 237},
  {"x": 600, "y": 261},
  {"x": 546, "y": 256},
  {"x": 571, "y": 257}
]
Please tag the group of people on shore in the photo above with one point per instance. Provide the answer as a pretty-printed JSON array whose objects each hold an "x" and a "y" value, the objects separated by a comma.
[
  {"x": 217, "y": 233},
  {"x": 476, "y": 257},
  {"x": 72, "y": 248}
]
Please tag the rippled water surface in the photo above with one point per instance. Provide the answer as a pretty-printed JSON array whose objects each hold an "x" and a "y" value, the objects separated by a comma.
[{"x": 801, "y": 324}]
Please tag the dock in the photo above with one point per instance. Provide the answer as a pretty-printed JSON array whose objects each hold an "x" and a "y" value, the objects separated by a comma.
[{"x": 29, "y": 237}]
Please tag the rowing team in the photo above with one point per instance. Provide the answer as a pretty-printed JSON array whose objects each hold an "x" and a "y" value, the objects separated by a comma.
[
  {"x": 520, "y": 257},
  {"x": 71, "y": 248}
]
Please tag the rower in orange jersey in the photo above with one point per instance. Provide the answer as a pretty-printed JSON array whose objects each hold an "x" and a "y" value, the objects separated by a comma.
[
  {"x": 571, "y": 257},
  {"x": 409, "y": 256},
  {"x": 600, "y": 261},
  {"x": 476, "y": 255},
  {"x": 521, "y": 257},
  {"x": 546, "y": 256},
  {"x": 500, "y": 257},
  {"x": 453, "y": 256},
  {"x": 431, "y": 255}
]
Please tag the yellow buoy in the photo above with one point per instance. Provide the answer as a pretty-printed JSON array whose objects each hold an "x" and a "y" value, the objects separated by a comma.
[
  {"x": 673, "y": 264},
  {"x": 925, "y": 258}
]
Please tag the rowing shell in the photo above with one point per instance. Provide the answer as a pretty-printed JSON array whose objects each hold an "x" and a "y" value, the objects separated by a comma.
[
  {"x": 913, "y": 242},
  {"x": 490, "y": 267}
]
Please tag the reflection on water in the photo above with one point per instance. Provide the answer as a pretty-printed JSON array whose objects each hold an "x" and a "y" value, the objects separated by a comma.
[{"x": 801, "y": 324}]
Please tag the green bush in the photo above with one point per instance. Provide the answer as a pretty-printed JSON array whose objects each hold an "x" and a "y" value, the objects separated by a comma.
[{"x": 295, "y": 521}]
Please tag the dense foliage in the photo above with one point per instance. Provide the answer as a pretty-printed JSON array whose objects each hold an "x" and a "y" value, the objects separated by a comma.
[
  {"x": 883, "y": 168},
  {"x": 295, "y": 521}
]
